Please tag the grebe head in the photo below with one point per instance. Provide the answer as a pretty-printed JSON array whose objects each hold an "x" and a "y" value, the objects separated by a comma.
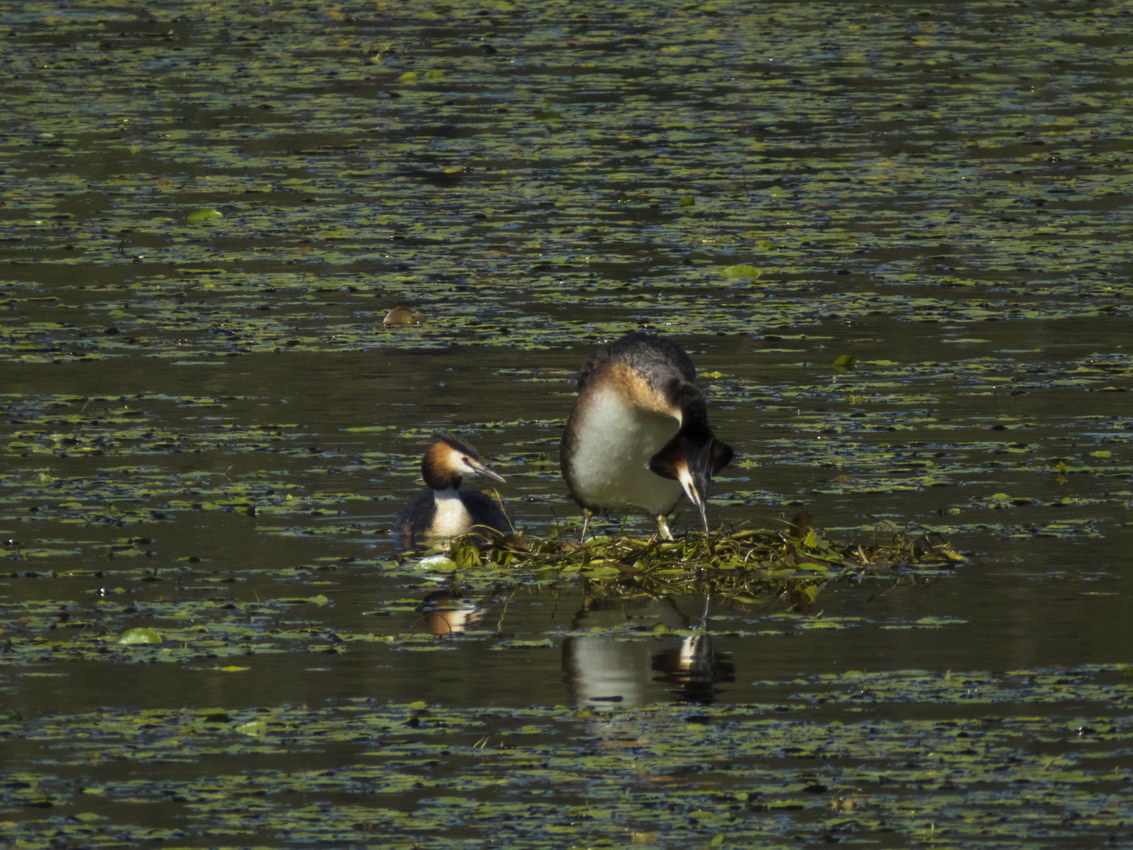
[
  {"x": 449, "y": 460},
  {"x": 694, "y": 455}
]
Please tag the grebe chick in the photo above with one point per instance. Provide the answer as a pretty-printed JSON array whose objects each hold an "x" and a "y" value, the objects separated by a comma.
[
  {"x": 446, "y": 510},
  {"x": 638, "y": 434}
]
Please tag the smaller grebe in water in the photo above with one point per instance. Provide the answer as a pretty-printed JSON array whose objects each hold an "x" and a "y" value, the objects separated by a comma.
[{"x": 446, "y": 510}]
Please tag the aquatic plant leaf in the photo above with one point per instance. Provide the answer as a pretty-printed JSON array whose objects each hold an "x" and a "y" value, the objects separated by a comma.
[
  {"x": 140, "y": 635},
  {"x": 742, "y": 271},
  {"x": 204, "y": 215}
]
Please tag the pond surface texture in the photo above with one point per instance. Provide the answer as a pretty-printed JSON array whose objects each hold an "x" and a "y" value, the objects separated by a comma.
[{"x": 206, "y": 427}]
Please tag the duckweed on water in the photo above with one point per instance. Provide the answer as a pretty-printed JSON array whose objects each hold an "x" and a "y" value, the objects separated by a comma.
[
  {"x": 941, "y": 761},
  {"x": 189, "y": 617},
  {"x": 882, "y": 161}
]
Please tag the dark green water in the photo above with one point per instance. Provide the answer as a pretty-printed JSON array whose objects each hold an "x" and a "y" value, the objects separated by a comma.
[{"x": 206, "y": 427}]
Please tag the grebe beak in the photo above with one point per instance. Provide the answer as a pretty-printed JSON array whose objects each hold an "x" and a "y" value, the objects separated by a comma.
[
  {"x": 692, "y": 463},
  {"x": 477, "y": 468}
]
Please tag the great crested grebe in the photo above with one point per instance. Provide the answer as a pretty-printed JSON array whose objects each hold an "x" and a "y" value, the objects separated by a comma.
[
  {"x": 638, "y": 434},
  {"x": 446, "y": 510}
]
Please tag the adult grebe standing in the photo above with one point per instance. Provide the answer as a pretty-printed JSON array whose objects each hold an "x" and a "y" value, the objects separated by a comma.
[{"x": 638, "y": 434}]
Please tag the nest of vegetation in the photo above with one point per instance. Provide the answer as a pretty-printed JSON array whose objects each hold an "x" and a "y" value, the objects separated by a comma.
[{"x": 745, "y": 563}]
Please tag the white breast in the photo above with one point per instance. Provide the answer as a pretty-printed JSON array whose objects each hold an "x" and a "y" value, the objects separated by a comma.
[
  {"x": 614, "y": 443},
  {"x": 452, "y": 518}
]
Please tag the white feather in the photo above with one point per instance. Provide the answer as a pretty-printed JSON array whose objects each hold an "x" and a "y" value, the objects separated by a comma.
[
  {"x": 452, "y": 517},
  {"x": 614, "y": 443}
]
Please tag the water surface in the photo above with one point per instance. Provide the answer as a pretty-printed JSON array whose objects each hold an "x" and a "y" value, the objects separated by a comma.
[{"x": 206, "y": 426}]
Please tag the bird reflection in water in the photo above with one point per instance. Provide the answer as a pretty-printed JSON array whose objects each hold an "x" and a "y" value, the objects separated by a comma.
[
  {"x": 695, "y": 667},
  {"x": 611, "y": 668},
  {"x": 447, "y": 614}
]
